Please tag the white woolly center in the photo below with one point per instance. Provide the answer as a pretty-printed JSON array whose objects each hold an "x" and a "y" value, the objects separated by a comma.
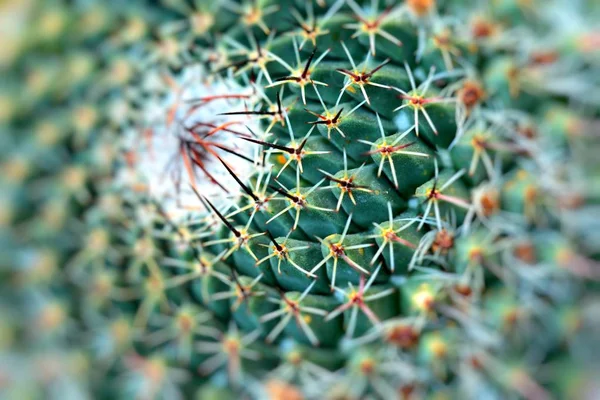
[{"x": 161, "y": 165}]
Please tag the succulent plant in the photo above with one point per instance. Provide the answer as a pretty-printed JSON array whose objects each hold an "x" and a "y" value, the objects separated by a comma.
[{"x": 286, "y": 199}]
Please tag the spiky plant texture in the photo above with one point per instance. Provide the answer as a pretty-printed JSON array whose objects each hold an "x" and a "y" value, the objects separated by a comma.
[{"x": 286, "y": 199}]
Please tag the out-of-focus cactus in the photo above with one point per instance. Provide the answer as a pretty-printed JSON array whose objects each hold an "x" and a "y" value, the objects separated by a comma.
[{"x": 271, "y": 199}]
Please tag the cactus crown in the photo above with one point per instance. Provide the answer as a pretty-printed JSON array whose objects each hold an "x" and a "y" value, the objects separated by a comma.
[{"x": 301, "y": 199}]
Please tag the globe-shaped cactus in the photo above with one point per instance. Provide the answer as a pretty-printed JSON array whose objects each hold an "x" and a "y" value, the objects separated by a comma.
[{"x": 286, "y": 199}]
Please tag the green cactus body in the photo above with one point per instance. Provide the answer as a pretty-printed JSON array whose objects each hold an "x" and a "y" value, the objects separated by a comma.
[{"x": 317, "y": 199}]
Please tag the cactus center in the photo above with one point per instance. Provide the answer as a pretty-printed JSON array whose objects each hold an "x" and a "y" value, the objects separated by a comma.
[
  {"x": 463, "y": 289},
  {"x": 479, "y": 142},
  {"x": 231, "y": 345},
  {"x": 527, "y": 131},
  {"x": 278, "y": 390},
  {"x": 511, "y": 316},
  {"x": 424, "y": 298},
  {"x": 299, "y": 201},
  {"x": 336, "y": 249},
  {"x": 564, "y": 256},
  {"x": 371, "y": 26},
  {"x": 389, "y": 234},
  {"x": 252, "y": 16},
  {"x": 443, "y": 242},
  {"x": 482, "y": 28},
  {"x": 281, "y": 251},
  {"x": 361, "y": 78},
  {"x": 530, "y": 193},
  {"x": 489, "y": 202},
  {"x": 260, "y": 60},
  {"x": 185, "y": 322},
  {"x": 261, "y": 203},
  {"x": 471, "y": 94},
  {"x": 403, "y": 336},
  {"x": 367, "y": 366},
  {"x": 154, "y": 370},
  {"x": 154, "y": 285},
  {"x": 295, "y": 357},
  {"x": 346, "y": 184},
  {"x": 476, "y": 254},
  {"x": 442, "y": 41},
  {"x": 421, "y": 7},
  {"x": 356, "y": 298},
  {"x": 276, "y": 114},
  {"x": 241, "y": 292},
  {"x": 332, "y": 120},
  {"x": 433, "y": 194},
  {"x": 201, "y": 22},
  {"x": 417, "y": 101},
  {"x": 203, "y": 264},
  {"x": 438, "y": 347},
  {"x": 312, "y": 33},
  {"x": 292, "y": 306},
  {"x": 144, "y": 248},
  {"x": 525, "y": 252}
]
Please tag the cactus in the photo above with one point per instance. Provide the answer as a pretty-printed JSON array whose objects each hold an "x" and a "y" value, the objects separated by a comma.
[{"x": 272, "y": 199}]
